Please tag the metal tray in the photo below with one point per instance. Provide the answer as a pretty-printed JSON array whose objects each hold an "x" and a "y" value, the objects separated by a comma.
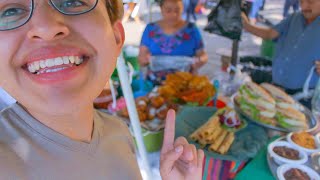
[{"x": 313, "y": 123}]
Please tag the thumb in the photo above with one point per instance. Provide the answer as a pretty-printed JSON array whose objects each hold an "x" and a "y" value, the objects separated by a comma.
[{"x": 168, "y": 159}]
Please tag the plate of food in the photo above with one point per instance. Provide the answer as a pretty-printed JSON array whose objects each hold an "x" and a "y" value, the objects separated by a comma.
[
  {"x": 187, "y": 89},
  {"x": 269, "y": 106},
  {"x": 203, "y": 126}
]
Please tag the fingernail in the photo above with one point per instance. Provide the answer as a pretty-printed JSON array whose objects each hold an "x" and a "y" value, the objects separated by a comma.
[{"x": 178, "y": 149}]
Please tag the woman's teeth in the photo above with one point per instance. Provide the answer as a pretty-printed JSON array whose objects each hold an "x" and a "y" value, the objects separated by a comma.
[{"x": 48, "y": 64}]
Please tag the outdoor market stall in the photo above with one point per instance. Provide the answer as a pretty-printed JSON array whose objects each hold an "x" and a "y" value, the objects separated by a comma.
[{"x": 233, "y": 125}]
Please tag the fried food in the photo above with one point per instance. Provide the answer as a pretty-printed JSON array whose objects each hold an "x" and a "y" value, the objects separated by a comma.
[
  {"x": 304, "y": 139},
  {"x": 157, "y": 101},
  {"x": 187, "y": 87},
  {"x": 162, "y": 113},
  {"x": 211, "y": 133}
]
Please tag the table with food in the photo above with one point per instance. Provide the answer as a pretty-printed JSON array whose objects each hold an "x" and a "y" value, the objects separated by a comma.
[{"x": 256, "y": 130}]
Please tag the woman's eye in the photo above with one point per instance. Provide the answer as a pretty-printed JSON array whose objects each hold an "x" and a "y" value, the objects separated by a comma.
[
  {"x": 72, "y": 3},
  {"x": 12, "y": 12}
]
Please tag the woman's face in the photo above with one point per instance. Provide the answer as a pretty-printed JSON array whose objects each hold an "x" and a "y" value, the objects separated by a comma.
[
  {"x": 56, "y": 63},
  {"x": 172, "y": 11}
]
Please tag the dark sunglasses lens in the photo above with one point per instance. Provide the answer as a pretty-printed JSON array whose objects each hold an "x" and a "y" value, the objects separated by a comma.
[
  {"x": 14, "y": 13},
  {"x": 74, "y": 7}
]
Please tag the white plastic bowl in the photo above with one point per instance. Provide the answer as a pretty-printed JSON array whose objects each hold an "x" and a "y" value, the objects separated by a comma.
[
  {"x": 308, "y": 151},
  {"x": 282, "y": 160},
  {"x": 286, "y": 167}
]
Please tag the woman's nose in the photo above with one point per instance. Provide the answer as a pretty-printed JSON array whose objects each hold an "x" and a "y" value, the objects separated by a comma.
[{"x": 47, "y": 24}]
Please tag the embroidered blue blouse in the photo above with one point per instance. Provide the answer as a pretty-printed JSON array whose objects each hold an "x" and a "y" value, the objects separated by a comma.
[{"x": 185, "y": 42}]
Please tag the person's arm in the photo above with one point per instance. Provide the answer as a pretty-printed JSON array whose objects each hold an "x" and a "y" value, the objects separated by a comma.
[
  {"x": 144, "y": 56},
  {"x": 200, "y": 59},
  {"x": 264, "y": 33},
  {"x": 144, "y": 52}
]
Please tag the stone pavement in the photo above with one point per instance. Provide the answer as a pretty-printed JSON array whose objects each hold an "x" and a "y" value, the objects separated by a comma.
[{"x": 249, "y": 45}]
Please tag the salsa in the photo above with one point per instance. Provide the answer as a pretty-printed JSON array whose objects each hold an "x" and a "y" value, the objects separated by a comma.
[
  {"x": 296, "y": 174},
  {"x": 286, "y": 152}
]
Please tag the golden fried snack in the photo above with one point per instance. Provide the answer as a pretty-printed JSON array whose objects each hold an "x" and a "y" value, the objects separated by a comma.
[
  {"x": 162, "y": 113},
  {"x": 304, "y": 139},
  {"x": 157, "y": 101},
  {"x": 142, "y": 116},
  {"x": 214, "y": 147},
  {"x": 227, "y": 142},
  {"x": 141, "y": 105}
]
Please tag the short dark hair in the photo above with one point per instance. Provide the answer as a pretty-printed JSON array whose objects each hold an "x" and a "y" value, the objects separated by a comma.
[{"x": 161, "y": 2}]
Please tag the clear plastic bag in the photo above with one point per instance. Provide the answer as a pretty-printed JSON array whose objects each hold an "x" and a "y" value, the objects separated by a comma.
[
  {"x": 229, "y": 84},
  {"x": 176, "y": 63}
]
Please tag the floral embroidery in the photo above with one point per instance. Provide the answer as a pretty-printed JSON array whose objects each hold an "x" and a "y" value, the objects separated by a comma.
[{"x": 168, "y": 43}]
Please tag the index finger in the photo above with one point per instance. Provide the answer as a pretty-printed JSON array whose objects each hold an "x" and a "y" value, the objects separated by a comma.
[{"x": 169, "y": 130}]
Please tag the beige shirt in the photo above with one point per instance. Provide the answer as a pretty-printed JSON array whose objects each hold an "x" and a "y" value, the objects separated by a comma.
[{"x": 31, "y": 150}]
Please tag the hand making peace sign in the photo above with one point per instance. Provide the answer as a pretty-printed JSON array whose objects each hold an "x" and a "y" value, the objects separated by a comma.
[{"x": 179, "y": 160}]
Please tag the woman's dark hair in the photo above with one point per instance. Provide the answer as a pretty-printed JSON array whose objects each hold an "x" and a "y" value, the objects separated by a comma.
[
  {"x": 161, "y": 2},
  {"x": 115, "y": 9}
]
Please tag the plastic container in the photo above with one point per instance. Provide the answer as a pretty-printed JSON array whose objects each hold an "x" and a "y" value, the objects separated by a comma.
[
  {"x": 286, "y": 167},
  {"x": 308, "y": 151},
  {"x": 267, "y": 48},
  {"x": 282, "y": 160},
  {"x": 178, "y": 63},
  {"x": 152, "y": 140}
]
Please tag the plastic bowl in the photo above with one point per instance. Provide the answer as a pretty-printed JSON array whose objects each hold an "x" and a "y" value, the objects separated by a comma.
[
  {"x": 282, "y": 160},
  {"x": 308, "y": 151},
  {"x": 286, "y": 167},
  {"x": 152, "y": 140}
]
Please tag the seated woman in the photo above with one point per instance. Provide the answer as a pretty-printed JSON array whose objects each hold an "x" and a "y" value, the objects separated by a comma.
[{"x": 172, "y": 36}]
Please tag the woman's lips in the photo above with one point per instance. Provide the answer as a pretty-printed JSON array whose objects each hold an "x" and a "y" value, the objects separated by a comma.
[
  {"x": 49, "y": 64},
  {"x": 56, "y": 73}
]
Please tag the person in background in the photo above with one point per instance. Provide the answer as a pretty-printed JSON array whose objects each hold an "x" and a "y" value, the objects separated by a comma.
[
  {"x": 172, "y": 36},
  {"x": 297, "y": 46},
  {"x": 290, "y": 3},
  {"x": 191, "y": 10},
  {"x": 55, "y": 66},
  {"x": 132, "y": 4},
  {"x": 255, "y": 6}
]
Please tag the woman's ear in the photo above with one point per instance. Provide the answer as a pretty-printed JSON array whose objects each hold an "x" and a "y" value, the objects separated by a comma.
[{"x": 119, "y": 33}]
